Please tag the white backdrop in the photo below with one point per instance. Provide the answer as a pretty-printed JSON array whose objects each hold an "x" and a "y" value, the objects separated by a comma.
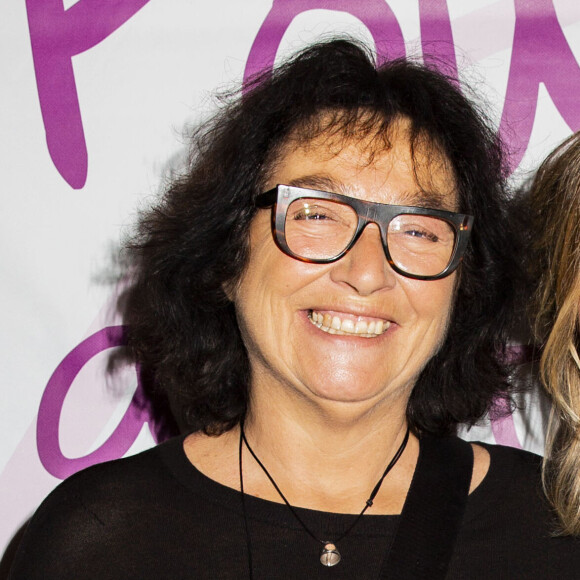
[{"x": 95, "y": 96}]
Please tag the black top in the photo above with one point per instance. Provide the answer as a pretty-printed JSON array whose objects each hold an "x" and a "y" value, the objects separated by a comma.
[{"x": 154, "y": 515}]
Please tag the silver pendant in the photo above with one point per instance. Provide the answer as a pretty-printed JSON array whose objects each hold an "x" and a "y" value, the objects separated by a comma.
[{"x": 330, "y": 556}]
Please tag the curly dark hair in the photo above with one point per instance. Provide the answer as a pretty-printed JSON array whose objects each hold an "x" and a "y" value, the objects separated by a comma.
[{"x": 182, "y": 327}]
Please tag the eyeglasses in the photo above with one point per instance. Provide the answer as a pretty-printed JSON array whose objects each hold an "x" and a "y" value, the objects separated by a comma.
[{"x": 320, "y": 227}]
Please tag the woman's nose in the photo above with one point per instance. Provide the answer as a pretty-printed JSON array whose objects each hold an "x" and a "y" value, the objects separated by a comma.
[{"x": 365, "y": 267}]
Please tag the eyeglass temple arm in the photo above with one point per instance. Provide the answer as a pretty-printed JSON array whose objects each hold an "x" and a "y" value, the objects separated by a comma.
[{"x": 267, "y": 199}]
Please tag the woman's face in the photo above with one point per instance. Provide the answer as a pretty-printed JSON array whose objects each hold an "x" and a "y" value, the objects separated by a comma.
[{"x": 278, "y": 298}]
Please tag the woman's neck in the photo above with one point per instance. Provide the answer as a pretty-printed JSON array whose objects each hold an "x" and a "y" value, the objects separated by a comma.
[
  {"x": 323, "y": 455},
  {"x": 323, "y": 460}
]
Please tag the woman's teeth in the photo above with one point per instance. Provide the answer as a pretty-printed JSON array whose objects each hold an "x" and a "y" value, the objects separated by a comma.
[{"x": 346, "y": 326}]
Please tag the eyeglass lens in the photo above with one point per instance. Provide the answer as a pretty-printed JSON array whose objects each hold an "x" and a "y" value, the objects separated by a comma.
[{"x": 320, "y": 229}]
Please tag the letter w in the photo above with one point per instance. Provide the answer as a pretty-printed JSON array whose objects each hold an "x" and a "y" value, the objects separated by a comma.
[{"x": 540, "y": 53}]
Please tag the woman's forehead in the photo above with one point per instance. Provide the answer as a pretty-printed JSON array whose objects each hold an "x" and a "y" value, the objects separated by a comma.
[{"x": 345, "y": 163}]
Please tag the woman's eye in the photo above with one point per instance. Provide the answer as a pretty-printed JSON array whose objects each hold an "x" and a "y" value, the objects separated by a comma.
[
  {"x": 314, "y": 212},
  {"x": 327, "y": 212},
  {"x": 311, "y": 215},
  {"x": 422, "y": 234}
]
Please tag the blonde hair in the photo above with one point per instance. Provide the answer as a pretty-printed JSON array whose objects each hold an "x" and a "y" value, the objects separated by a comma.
[{"x": 555, "y": 207}]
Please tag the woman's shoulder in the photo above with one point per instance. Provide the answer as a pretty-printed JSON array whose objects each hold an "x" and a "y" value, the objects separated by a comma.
[
  {"x": 511, "y": 466},
  {"x": 510, "y": 500},
  {"x": 143, "y": 470},
  {"x": 513, "y": 475},
  {"x": 97, "y": 512},
  {"x": 509, "y": 527},
  {"x": 142, "y": 475}
]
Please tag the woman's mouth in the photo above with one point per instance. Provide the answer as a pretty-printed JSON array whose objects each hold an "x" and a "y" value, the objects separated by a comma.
[{"x": 348, "y": 325}]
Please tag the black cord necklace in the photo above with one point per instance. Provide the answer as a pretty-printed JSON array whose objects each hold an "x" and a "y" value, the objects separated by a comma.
[{"x": 329, "y": 556}]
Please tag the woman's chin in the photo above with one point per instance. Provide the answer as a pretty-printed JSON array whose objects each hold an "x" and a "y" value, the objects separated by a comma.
[{"x": 351, "y": 391}]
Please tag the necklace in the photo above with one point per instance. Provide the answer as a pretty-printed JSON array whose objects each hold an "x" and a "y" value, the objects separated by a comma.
[{"x": 329, "y": 556}]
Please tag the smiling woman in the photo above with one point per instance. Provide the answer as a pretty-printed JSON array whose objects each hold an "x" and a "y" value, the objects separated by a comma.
[{"x": 321, "y": 298}]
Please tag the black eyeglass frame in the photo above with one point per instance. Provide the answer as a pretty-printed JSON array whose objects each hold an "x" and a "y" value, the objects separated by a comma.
[{"x": 381, "y": 214}]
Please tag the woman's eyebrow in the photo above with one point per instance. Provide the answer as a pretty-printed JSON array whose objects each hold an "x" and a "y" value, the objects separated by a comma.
[
  {"x": 321, "y": 182},
  {"x": 431, "y": 199},
  {"x": 416, "y": 198}
]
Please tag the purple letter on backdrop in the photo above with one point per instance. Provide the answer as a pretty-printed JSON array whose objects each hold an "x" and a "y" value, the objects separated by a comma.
[
  {"x": 437, "y": 36},
  {"x": 56, "y": 35},
  {"x": 376, "y": 15},
  {"x": 53, "y": 398},
  {"x": 540, "y": 53}
]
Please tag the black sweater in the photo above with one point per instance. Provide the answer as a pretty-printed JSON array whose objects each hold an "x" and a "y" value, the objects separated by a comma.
[{"x": 154, "y": 515}]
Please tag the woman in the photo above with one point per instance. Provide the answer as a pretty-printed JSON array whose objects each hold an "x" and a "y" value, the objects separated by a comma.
[
  {"x": 555, "y": 204},
  {"x": 299, "y": 301}
]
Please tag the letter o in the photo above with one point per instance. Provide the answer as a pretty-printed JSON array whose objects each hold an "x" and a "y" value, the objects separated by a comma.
[{"x": 376, "y": 15}]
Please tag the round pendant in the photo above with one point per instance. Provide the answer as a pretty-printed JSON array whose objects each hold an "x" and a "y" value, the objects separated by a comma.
[{"x": 329, "y": 556}]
